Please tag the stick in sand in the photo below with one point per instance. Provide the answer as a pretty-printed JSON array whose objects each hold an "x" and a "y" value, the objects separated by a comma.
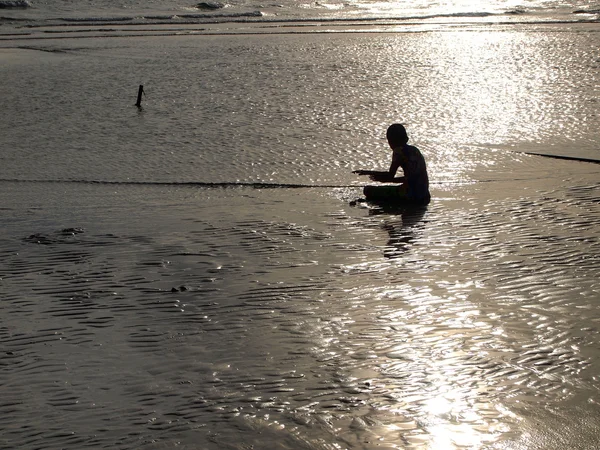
[{"x": 139, "y": 98}]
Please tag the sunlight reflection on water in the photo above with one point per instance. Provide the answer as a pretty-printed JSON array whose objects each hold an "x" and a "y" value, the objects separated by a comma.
[
  {"x": 311, "y": 109},
  {"x": 459, "y": 347},
  {"x": 287, "y": 316}
]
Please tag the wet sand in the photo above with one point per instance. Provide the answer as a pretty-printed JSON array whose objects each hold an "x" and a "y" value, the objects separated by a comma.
[
  {"x": 137, "y": 312},
  {"x": 285, "y": 318}
]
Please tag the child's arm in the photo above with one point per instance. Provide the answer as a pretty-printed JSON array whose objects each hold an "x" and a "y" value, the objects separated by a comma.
[{"x": 385, "y": 177}]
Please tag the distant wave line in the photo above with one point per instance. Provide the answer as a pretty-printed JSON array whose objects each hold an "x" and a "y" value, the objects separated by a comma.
[
  {"x": 257, "y": 17},
  {"x": 18, "y": 4},
  {"x": 258, "y": 32}
]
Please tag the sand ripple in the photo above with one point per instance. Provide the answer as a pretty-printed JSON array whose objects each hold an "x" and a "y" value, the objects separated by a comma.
[{"x": 356, "y": 327}]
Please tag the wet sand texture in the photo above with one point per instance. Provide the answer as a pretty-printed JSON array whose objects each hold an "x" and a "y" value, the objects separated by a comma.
[{"x": 140, "y": 312}]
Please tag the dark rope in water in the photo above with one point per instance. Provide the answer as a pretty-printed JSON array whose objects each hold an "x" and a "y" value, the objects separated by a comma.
[
  {"x": 568, "y": 158},
  {"x": 264, "y": 185},
  {"x": 203, "y": 184},
  {"x": 223, "y": 184}
]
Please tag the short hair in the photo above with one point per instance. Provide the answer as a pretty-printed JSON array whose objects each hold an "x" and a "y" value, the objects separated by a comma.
[{"x": 396, "y": 134}]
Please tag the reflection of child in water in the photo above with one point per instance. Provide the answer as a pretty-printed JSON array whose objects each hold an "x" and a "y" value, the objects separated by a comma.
[
  {"x": 403, "y": 233},
  {"x": 414, "y": 187}
]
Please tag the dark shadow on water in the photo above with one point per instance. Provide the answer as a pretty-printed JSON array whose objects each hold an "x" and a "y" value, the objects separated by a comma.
[
  {"x": 402, "y": 235},
  {"x": 403, "y": 224}
]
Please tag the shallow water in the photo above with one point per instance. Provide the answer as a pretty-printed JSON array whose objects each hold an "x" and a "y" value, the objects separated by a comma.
[
  {"x": 157, "y": 317},
  {"x": 295, "y": 108},
  {"x": 142, "y": 312}
]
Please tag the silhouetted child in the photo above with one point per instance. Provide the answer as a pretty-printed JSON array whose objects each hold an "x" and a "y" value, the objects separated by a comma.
[{"x": 414, "y": 187}]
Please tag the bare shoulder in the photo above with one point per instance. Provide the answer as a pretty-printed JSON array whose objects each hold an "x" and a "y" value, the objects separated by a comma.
[{"x": 412, "y": 152}]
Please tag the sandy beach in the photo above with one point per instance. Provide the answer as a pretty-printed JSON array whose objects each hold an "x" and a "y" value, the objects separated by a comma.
[{"x": 144, "y": 307}]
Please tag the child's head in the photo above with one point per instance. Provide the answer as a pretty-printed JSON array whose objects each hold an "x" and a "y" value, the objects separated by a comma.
[{"x": 396, "y": 135}]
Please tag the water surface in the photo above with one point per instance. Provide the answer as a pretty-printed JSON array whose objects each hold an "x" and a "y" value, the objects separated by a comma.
[{"x": 141, "y": 310}]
